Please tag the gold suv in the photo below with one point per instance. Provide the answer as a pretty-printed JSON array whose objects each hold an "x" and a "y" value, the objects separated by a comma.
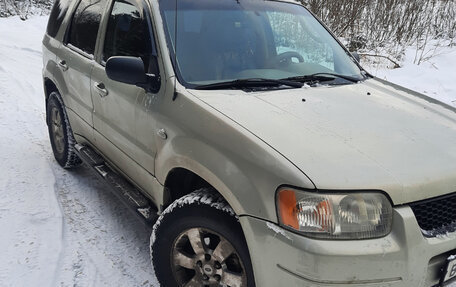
[{"x": 254, "y": 143}]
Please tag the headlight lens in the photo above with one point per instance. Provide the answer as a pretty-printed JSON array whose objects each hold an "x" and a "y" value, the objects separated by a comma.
[{"x": 335, "y": 216}]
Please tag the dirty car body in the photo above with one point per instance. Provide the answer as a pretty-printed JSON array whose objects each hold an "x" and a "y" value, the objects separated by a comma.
[{"x": 336, "y": 177}]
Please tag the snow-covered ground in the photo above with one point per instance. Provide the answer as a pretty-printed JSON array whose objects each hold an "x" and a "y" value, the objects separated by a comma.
[
  {"x": 57, "y": 227},
  {"x": 435, "y": 78},
  {"x": 64, "y": 228}
]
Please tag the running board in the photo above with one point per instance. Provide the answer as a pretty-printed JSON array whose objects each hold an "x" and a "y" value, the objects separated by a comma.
[{"x": 121, "y": 187}]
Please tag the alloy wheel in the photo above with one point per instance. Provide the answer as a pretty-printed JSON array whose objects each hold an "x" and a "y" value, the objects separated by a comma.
[
  {"x": 57, "y": 130},
  {"x": 203, "y": 258}
]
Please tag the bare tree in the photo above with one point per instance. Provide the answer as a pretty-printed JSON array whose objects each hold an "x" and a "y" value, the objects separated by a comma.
[
  {"x": 389, "y": 26},
  {"x": 24, "y": 8}
]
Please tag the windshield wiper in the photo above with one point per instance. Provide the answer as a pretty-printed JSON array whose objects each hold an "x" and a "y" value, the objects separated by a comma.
[
  {"x": 250, "y": 83},
  {"x": 322, "y": 77}
]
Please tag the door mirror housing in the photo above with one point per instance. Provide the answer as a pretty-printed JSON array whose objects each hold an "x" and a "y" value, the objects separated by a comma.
[
  {"x": 130, "y": 70},
  {"x": 356, "y": 56}
]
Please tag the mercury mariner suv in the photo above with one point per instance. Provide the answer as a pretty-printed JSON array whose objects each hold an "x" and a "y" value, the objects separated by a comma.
[{"x": 254, "y": 143}]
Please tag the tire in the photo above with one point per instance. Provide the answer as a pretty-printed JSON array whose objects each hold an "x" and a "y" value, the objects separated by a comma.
[
  {"x": 200, "y": 231},
  {"x": 60, "y": 133}
]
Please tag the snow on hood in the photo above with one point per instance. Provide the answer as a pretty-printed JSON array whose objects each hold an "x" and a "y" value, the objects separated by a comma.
[{"x": 362, "y": 136}]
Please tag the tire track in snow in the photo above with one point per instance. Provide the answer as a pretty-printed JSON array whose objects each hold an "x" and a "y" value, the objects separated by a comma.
[
  {"x": 94, "y": 219},
  {"x": 61, "y": 228}
]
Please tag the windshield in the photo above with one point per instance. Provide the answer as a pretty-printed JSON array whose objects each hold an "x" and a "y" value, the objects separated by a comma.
[{"x": 226, "y": 40}]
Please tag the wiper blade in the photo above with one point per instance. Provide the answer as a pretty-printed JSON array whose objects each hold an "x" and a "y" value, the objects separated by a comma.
[
  {"x": 322, "y": 77},
  {"x": 253, "y": 82}
]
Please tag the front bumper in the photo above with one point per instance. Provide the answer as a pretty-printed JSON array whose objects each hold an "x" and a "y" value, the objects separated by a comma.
[{"x": 403, "y": 258}]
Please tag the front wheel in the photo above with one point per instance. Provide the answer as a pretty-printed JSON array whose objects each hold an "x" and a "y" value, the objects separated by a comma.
[{"x": 197, "y": 241}]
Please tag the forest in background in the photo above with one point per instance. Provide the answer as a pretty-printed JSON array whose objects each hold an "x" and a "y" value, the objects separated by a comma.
[
  {"x": 377, "y": 29},
  {"x": 25, "y": 8},
  {"x": 386, "y": 28}
]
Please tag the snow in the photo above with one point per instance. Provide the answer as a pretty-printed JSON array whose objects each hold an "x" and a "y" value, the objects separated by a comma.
[
  {"x": 64, "y": 228},
  {"x": 278, "y": 230},
  {"x": 58, "y": 227},
  {"x": 435, "y": 78},
  {"x": 442, "y": 232},
  {"x": 202, "y": 196}
]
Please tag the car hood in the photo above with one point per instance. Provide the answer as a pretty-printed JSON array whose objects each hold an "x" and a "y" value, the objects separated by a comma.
[{"x": 366, "y": 136}]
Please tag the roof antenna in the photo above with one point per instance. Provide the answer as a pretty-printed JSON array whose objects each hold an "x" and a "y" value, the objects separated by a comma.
[{"x": 175, "y": 53}]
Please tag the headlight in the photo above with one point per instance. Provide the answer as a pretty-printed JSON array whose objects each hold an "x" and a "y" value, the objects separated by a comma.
[{"x": 335, "y": 216}]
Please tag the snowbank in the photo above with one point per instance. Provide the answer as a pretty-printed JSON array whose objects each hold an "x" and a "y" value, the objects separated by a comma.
[{"x": 435, "y": 78}]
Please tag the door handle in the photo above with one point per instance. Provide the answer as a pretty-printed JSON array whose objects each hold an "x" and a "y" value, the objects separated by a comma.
[
  {"x": 101, "y": 89},
  {"x": 63, "y": 65}
]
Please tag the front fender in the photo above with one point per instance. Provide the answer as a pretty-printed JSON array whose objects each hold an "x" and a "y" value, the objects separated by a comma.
[
  {"x": 243, "y": 168},
  {"x": 211, "y": 165}
]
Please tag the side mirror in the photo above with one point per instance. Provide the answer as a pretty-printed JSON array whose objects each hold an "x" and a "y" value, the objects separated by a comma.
[
  {"x": 130, "y": 70},
  {"x": 356, "y": 56}
]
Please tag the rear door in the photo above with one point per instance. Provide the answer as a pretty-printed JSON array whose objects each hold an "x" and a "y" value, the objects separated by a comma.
[
  {"x": 76, "y": 59},
  {"x": 119, "y": 109}
]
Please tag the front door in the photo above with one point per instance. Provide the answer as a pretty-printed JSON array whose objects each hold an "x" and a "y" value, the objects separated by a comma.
[{"x": 119, "y": 114}]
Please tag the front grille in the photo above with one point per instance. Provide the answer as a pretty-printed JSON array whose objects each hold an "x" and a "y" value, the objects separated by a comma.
[{"x": 436, "y": 216}]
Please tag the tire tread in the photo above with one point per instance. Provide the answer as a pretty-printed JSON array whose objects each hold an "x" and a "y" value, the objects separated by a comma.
[{"x": 70, "y": 158}]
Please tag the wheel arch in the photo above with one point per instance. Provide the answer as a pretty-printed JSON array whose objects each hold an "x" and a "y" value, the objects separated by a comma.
[
  {"x": 183, "y": 180},
  {"x": 188, "y": 164},
  {"x": 49, "y": 87},
  {"x": 180, "y": 182}
]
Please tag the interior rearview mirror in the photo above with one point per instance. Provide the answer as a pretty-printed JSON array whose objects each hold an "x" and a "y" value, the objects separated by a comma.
[{"x": 130, "y": 70}]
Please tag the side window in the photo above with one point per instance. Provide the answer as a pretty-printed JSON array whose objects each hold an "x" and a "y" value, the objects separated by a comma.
[
  {"x": 128, "y": 33},
  {"x": 85, "y": 24},
  {"x": 58, "y": 13}
]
